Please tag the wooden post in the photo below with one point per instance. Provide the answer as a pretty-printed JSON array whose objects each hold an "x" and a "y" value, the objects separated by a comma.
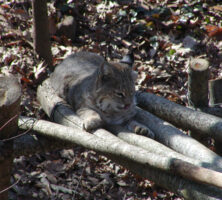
[
  {"x": 10, "y": 94},
  {"x": 215, "y": 91},
  {"x": 41, "y": 31},
  {"x": 198, "y": 76}
]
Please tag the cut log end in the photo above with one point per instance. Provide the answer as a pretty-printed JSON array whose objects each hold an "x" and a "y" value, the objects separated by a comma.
[
  {"x": 10, "y": 90},
  {"x": 199, "y": 64}
]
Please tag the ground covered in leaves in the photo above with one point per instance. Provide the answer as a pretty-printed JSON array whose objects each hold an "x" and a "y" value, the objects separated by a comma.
[{"x": 164, "y": 35}]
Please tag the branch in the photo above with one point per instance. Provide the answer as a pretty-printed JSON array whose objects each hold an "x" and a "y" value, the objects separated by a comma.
[
  {"x": 49, "y": 99},
  {"x": 165, "y": 133},
  {"x": 172, "y": 137},
  {"x": 181, "y": 116},
  {"x": 117, "y": 148}
]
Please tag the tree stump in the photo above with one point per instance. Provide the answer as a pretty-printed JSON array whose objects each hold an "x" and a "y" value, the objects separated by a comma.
[
  {"x": 215, "y": 90},
  {"x": 10, "y": 93},
  {"x": 198, "y": 76}
]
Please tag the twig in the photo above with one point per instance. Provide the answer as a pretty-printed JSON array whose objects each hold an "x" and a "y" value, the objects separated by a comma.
[{"x": 8, "y": 188}]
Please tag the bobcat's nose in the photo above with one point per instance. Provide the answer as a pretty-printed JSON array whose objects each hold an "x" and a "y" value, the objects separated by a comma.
[{"x": 126, "y": 106}]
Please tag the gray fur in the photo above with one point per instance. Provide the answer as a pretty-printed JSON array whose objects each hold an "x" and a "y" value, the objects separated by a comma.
[{"x": 99, "y": 92}]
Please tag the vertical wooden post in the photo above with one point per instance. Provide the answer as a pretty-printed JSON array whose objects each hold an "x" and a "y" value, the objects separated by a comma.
[
  {"x": 10, "y": 93},
  {"x": 41, "y": 30},
  {"x": 198, "y": 76},
  {"x": 215, "y": 91}
]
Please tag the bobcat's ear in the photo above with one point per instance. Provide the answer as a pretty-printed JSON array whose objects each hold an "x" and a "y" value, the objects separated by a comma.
[
  {"x": 128, "y": 59},
  {"x": 105, "y": 71}
]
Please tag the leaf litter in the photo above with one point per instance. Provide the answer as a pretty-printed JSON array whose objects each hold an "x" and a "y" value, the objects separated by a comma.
[{"x": 164, "y": 35}]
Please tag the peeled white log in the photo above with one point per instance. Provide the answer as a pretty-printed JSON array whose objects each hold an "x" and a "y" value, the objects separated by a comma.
[{"x": 181, "y": 116}]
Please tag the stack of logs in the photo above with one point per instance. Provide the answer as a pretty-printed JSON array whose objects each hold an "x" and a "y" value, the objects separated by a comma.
[{"x": 173, "y": 160}]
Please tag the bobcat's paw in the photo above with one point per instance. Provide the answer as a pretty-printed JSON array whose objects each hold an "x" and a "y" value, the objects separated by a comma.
[
  {"x": 140, "y": 129},
  {"x": 143, "y": 130},
  {"x": 92, "y": 123}
]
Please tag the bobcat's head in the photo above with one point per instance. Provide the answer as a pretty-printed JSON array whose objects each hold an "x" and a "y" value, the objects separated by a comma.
[{"x": 115, "y": 88}]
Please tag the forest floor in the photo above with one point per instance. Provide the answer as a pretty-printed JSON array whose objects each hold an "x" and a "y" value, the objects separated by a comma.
[{"x": 164, "y": 34}]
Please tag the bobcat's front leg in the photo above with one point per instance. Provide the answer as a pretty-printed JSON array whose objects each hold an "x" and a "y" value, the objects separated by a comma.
[{"x": 91, "y": 119}]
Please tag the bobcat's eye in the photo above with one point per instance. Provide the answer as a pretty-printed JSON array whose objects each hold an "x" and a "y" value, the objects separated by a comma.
[{"x": 120, "y": 94}]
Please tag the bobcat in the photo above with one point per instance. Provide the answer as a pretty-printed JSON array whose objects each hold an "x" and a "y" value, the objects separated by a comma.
[{"x": 100, "y": 92}]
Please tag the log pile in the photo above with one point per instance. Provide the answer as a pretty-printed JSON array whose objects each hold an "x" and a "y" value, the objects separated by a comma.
[
  {"x": 172, "y": 160},
  {"x": 193, "y": 171}
]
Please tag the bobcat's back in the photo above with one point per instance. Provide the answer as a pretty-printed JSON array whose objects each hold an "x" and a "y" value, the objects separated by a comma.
[{"x": 86, "y": 80}]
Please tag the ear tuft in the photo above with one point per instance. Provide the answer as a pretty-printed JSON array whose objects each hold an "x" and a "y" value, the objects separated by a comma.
[{"x": 128, "y": 59}]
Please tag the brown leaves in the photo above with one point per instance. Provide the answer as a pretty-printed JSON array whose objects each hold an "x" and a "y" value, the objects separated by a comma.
[{"x": 214, "y": 31}]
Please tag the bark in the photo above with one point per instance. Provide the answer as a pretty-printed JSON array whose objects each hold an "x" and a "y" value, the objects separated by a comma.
[
  {"x": 120, "y": 150},
  {"x": 10, "y": 94},
  {"x": 215, "y": 91},
  {"x": 198, "y": 76},
  {"x": 173, "y": 138},
  {"x": 55, "y": 107},
  {"x": 41, "y": 31},
  {"x": 167, "y": 134},
  {"x": 215, "y": 99},
  {"x": 46, "y": 96},
  {"x": 217, "y": 111},
  {"x": 181, "y": 116}
]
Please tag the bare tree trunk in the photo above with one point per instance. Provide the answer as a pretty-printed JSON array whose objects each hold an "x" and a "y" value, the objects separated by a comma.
[
  {"x": 41, "y": 31},
  {"x": 10, "y": 94}
]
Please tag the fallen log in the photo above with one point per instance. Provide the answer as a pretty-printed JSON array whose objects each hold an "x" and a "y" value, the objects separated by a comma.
[
  {"x": 166, "y": 134},
  {"x": 123, "y": 152},
  {"x": 46, "y": 97},
  {"x": 172, "y": 137},
  {"x": 181, "y": 116}
]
